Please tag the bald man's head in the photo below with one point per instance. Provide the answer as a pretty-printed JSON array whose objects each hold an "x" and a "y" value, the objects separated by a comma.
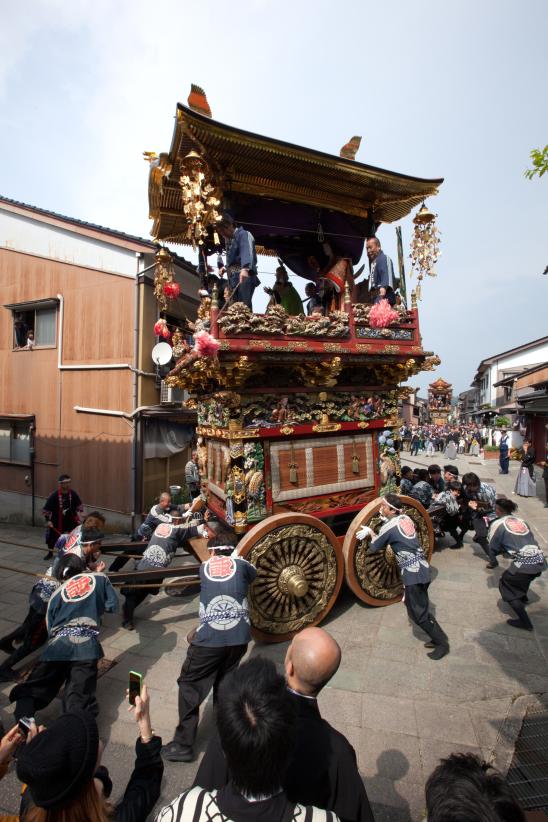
[{"x": 311, "y": 660}]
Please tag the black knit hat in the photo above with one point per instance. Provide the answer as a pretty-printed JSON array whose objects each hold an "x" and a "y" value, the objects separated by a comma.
[
  {"x": 59, "y": 762},
  {"x": 91, "y": 535}
]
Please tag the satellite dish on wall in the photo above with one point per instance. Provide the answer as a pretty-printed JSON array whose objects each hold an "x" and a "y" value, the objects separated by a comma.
[{"x": 162, "y": 353}]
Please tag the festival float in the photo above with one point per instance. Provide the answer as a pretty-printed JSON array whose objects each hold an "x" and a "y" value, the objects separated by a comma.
[
  {"x": 440, "y": 394},
  {"x": 297, "y": 416}
]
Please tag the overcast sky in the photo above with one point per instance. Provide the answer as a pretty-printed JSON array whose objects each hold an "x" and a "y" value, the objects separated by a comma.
[{"x": 454, "y": 89}]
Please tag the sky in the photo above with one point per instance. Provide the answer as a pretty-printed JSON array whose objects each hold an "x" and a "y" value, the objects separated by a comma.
[{"x": 454, "y": 89}]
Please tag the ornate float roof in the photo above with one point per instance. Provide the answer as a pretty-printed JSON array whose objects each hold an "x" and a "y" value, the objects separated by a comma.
[
  {"x": 250, "y": 168},
  {"x": 440, "y": 385}
]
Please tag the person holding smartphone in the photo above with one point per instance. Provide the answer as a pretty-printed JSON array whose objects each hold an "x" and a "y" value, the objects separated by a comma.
[{"x": 60, "y": 766}]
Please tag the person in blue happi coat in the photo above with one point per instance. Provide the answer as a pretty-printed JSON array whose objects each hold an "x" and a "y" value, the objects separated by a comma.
[
  {"x": 73, "y": 620},
  {"x": 399, "y": 532},
  {"x": 511, "y": 535}
]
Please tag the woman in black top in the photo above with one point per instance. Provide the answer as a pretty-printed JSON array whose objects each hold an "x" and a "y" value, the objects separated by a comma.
[{"x": 525, "y": 484}]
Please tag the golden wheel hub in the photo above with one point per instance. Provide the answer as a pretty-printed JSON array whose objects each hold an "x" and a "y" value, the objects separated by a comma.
[{"x": 292, "y": 581}]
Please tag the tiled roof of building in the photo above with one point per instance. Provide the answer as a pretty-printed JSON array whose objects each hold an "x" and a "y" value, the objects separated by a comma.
[{"x": 82, "y": 223}]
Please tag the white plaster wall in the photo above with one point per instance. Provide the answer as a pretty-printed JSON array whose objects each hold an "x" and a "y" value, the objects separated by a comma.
[
  {"x": 530, "y": 357},
  {"x": 22, "y": 233}
]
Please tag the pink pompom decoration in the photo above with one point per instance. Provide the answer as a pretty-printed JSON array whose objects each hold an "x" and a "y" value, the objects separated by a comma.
[
  {"x": 205, "y": 344},
  {"x": 161, "y": 329},
  {"x": 172, "y": 290},
  {"x": 382, "y": 315}
]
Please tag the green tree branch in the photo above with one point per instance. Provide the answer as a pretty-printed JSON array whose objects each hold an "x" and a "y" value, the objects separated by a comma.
[{"x": 539, "y": 158}]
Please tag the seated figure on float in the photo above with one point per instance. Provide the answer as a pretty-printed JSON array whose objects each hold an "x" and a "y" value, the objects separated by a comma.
[{"x": 284, "y": 293}]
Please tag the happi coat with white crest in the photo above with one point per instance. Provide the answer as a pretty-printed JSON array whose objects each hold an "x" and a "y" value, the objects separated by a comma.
[
  {"x": 512, "y": 535},
  {"x": 400, "y": 533}
]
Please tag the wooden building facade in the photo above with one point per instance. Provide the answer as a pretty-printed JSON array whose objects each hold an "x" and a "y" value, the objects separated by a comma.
[{"x": 83, "y": 397}]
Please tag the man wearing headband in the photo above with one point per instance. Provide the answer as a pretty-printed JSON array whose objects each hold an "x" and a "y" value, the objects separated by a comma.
[
  {"x": 400, "y": 533},
  {"x": 32, "y": 633},
  {"x": 73, "y": 620},
  {"x": 218, "y": 644},
  {"x": 159, "y": 553}
]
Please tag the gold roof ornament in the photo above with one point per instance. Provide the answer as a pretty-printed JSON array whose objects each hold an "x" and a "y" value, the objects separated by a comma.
[
  {"x": 424, "y": 216},
  {"x": 425, "y": 247}
]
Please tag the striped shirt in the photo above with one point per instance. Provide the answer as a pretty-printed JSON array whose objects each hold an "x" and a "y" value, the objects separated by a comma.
[{"x": 199, "y": 805}]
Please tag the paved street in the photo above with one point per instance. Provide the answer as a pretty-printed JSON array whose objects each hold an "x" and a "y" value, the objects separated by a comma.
[{"x": 400, "y": 710}]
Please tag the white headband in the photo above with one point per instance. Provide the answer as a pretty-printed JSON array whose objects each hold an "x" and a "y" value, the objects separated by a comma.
[{"x": 393, "y": 507}]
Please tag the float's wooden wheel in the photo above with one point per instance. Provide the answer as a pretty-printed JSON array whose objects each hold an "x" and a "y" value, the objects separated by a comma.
[
  {"x": 299, "y": 574},
  {"x": 375, "y": 578}
]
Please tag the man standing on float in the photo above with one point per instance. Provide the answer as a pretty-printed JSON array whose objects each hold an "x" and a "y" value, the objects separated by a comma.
[
  {"x": 400, "y": 533},
  {"x": 241, "y": 261}
]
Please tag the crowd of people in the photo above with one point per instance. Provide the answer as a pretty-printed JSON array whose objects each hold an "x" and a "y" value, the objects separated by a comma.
[
  {"x": 271, "y": 753},
  {"x": 457, "y": 506},
  {"x": 447, "y": 439}
]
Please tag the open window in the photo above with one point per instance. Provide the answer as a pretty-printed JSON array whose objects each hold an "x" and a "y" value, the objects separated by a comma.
[
  {"x": 16, "y": 439},
  {"x": 34, "y": 324}
]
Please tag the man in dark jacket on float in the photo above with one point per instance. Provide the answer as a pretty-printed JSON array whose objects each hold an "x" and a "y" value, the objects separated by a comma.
[
  {"x": 241, "y": 260},
  {"x": 323, "y": 769},
  {"x": 381, "y": 270}
]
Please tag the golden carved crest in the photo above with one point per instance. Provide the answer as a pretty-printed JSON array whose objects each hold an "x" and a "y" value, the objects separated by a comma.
[{"x": 296, "y": 576}]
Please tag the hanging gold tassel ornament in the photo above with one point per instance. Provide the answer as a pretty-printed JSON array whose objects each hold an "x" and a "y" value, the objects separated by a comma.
[
  {"x": 293, "y": 476},
  {"x": 425, "y": 246},
  {"x": 201, "y": 198},
  {"x": 163, "y": 275},
  {"x": 355, "y": 458}
]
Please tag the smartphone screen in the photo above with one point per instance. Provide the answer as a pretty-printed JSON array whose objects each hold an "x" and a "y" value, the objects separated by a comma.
[
  {"x": 135, "y": 682},
  {"x": 24, "y": 725}
]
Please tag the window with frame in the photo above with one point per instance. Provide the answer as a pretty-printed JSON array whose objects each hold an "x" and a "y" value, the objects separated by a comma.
[
  {"x": 34, "y": 325},
  {"x": 15, "y": 441}
]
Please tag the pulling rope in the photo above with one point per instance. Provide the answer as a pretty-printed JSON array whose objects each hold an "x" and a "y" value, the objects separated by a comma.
[
  {"x": 39, "y": 548},
  {"x": 190, "y": 580}
]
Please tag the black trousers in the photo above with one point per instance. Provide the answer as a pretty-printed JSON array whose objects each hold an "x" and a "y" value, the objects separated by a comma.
[
  {"x": 504, "y": 463},
  {"x": 476, "y": 522},
  {"x": 139, "y": 549},
  {"x": 51, "y": 538},
  {"x": 418, "y": 610},
  {"x": 78, "y": 676},
  {"x": 133, "y": 598},
  {"x": 33, "y": 634},
  {"x": 450, "y": 523},
  {"x": 203, "y": 669},
  {"x": 244, "y": 292},
  {"x": 513, "y": 590}
]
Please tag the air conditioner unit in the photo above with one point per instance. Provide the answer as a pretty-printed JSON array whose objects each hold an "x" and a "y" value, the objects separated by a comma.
[{"x": 170, "y": 395}]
